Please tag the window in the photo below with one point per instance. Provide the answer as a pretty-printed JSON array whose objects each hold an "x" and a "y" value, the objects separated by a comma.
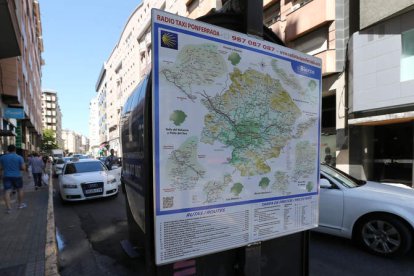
[
  {"x": 271, "y": 14},
  {"x": 191, "y": 5},
  {"x": 407, "y": 56},
  {"x": 296, "y": 4},
  {"x": 313, "y": 42},
  {"x": 328, "y": 112}
]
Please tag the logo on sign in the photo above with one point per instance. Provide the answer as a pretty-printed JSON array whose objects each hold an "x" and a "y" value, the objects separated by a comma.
[
  {"x": 305, "y": 70},
  {"x": 169, "y": 40}
]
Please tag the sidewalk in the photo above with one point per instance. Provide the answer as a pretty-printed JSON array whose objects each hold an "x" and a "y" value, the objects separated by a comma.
[{"x": 23, "y": 232}]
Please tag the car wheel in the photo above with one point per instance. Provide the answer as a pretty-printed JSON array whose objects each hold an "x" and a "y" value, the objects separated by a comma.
[{"x": 384, "y": 235}]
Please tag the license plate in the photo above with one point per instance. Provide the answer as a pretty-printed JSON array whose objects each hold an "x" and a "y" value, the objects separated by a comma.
[{"x": 93, "y": 191}]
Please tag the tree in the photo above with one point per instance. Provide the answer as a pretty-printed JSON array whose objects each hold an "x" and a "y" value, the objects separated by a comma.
[{"x": 49, "y": 140}]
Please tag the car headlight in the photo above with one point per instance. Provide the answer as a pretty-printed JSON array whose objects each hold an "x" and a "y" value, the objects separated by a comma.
[
  {"x": 69, "y": 186},
  {"x": 112, "y": 181}
]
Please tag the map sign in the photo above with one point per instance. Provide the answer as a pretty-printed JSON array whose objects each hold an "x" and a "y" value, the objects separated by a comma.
[{"x": 236, "y": 124}]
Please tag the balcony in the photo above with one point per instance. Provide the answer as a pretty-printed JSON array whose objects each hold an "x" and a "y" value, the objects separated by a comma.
[
  {"x": 10, "y": 90},
  {"x": 308, "y": 17},
  {"x": 328, "y": 61},
  {"x": 9, "y": 31}
]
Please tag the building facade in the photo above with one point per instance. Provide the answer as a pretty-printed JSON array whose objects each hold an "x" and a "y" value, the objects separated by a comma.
[
  {"x": 20, "y": 75},
  {"x": 366, "y": 50},
  {"x": 94, "y": 126},
  {"x": 321, "y": 28},
  {"x": 74, "y": 142},
  {"x": 381, "y": 92},
  {"x": 122, "y": 72},
  {"x": 52, "y": 115},
  {"x": 130, "y": 61}
]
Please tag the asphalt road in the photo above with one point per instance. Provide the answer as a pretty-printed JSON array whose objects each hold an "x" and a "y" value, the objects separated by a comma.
[
  {"x": 89, "y": 235},
  {"x": 341, "y": 257}
]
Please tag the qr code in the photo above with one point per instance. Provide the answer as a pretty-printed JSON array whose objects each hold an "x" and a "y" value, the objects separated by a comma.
[{"x": 168, "y": 202}]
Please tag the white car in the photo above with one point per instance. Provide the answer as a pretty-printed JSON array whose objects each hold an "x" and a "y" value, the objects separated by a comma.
[
  {"x": 116, "y": 172},
  {"x": 58, "y": 165},
  {"x": 86, "y": 179},
  {"x": 379, "y": 216}
]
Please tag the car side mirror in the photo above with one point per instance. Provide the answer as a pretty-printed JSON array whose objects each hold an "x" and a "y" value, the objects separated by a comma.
[{"x": 325, "y": 184}]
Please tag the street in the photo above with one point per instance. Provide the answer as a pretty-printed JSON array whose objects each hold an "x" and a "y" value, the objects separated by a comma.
[{"x": 89, "y": 235}]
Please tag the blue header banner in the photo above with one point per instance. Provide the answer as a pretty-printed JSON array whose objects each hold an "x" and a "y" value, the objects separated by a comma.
[{"x": 14, "y": 113}]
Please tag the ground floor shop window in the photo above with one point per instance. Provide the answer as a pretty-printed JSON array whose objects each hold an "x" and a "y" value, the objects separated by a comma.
[{"x": 393, "y": 153}]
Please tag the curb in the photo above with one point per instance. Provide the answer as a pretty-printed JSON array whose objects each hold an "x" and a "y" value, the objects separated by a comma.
[{"x": 51, "y": 252}]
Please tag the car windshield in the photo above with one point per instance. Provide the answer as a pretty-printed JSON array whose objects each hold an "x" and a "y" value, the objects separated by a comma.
[
  {"x": 342, "y": 177},
  {"x": 60, "y": 161},
  {"x": 84, "y": 167}
]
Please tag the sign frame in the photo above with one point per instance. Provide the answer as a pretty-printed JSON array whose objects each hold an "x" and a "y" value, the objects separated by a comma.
[{"x": 302, "y": 64}]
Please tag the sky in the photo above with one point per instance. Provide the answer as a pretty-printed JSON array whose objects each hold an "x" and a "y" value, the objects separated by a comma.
[{"x": 78, "y": 37}]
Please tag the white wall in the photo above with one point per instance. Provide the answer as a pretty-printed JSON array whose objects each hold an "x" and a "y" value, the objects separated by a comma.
[{"x": 375, "y": 59}]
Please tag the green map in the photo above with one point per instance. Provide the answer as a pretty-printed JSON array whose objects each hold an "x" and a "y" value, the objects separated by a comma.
[
  {"x": 248, "y": 133},
  {"x": 255, "y": 116},
  {"x": 183, "y": 168},
  {"x": 237, "y": 188},
  {"x": 309, "y": 186},
  {"x": 178, "y": 117},
  {"x": 214, "y": 189},
  {"x": 264, "y": 183},
  {"x": 195, "y": 65},
  {"x": 234, "y": 58}
]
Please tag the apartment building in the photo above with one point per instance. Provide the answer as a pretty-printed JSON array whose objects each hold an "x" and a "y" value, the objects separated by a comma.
[
  {"x": 321, "y": 28},
  {"x": 94, "y": 126},
  {"x": 74, "y": 142},
  {"x": 122, "y": 72},
  {"x": 381, "y": 92},
  {"x": 52, "y": 115},
  {"x": 130, "y": 61},
  {"x": 20, "y": 75},
  {"x": 368, "y": 89}
]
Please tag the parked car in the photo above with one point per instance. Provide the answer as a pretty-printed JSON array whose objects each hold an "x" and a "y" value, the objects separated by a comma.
[
  {"x": 86, "y": 179},
  {"x": 80, "y": 156},
  {"x": 378, "y": 216},
  {"x": 58, "y": 165},
  {"x": 116, "y": 168}
]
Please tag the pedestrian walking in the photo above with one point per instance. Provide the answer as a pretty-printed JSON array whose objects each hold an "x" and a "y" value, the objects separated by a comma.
[
  {"x": 47, "y": 171},
  {"x": 111, "y": 160},
  {"x": 48, "y": 165},
  {"x": 37, "y": 165},
  {"x": 12, "y": 166}
]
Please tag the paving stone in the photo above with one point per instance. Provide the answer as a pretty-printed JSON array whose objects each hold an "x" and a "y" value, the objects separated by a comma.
[{"x": 23, "y": 234}]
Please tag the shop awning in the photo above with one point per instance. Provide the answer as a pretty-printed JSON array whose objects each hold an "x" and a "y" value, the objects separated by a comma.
[{"x": 386, "y": 119}]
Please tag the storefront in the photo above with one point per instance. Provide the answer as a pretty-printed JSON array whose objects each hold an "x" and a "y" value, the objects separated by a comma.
[{"x": 383, "y": 149}]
